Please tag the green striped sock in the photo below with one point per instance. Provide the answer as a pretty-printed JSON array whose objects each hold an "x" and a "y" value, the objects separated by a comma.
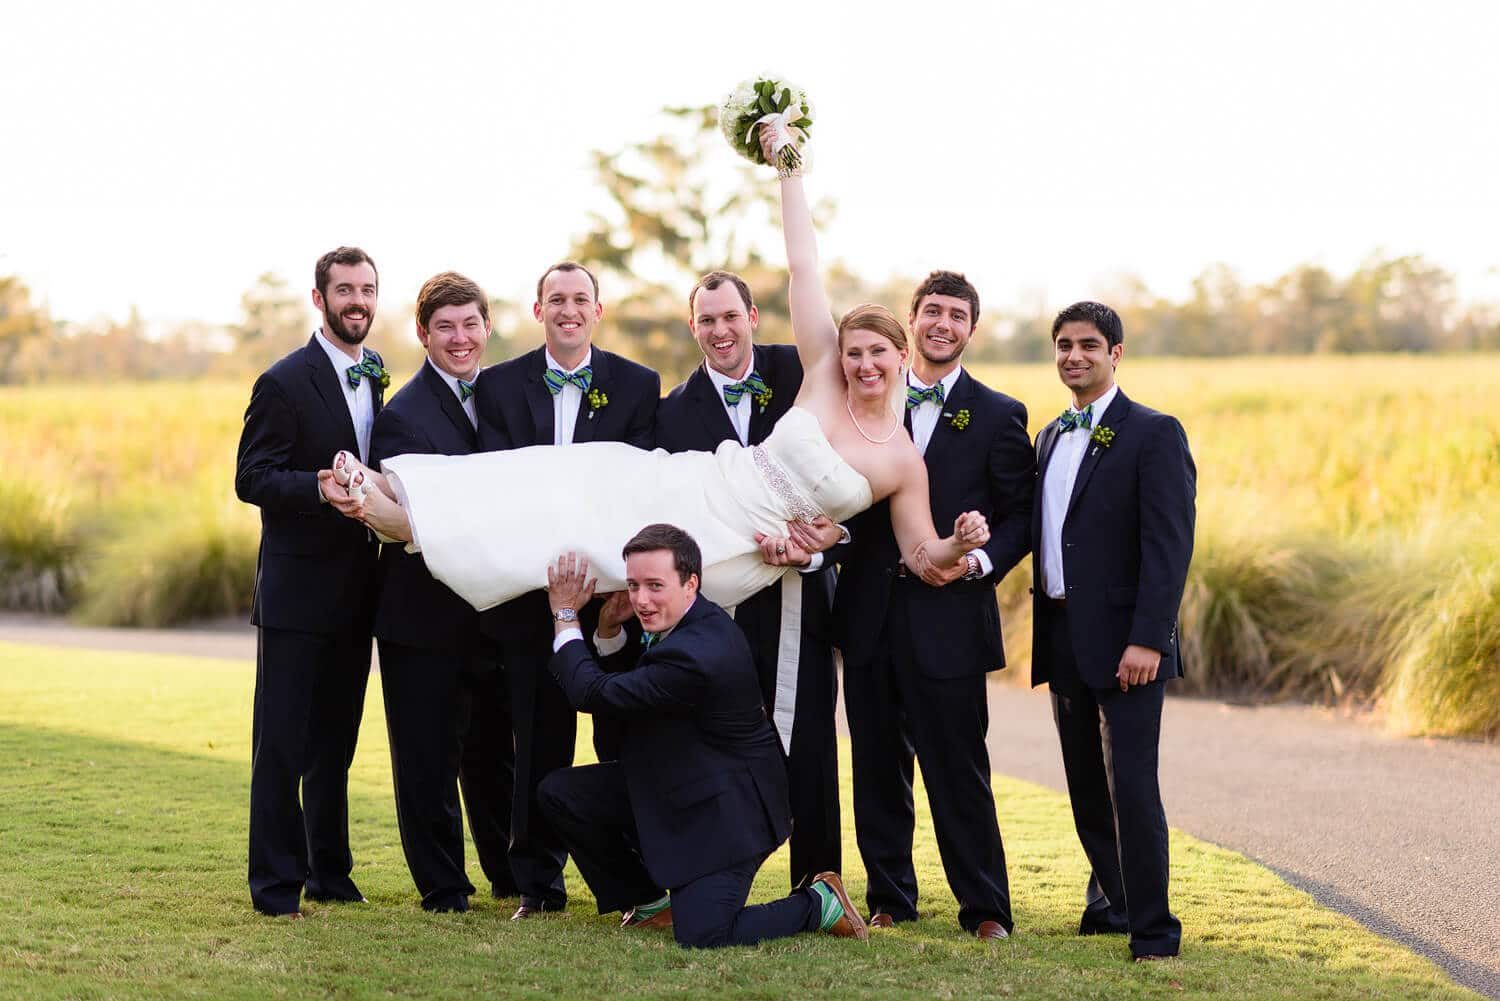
[
  {"x": 830, "y": 910},
  {"x": 651, "y": 910}
]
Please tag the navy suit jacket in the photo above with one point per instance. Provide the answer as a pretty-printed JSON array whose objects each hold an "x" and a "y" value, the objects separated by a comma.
[
  {"x": 316, "y": 568},
  {"x": 987, "y": 466},
  {"x": 515, "y": 410},
  {"x": 702, "y": 764},
  {"x": 414, "y": 608},
  {"x": 1127, "y": 540}
]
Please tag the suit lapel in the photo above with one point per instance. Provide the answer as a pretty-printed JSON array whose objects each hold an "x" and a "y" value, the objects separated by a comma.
[
  {"x": 1094, "y": 453},
  {"x": 448, "y": 403},
  {"x": 326, "y": 381},
  {"x": 377, "y": 391},
  {"x": 539, "y": 400},
  {"x": 586, "y": 423},
  {"x": 1045, "y": 442},
  {"x": 943, "y": 431},
  {"x": 708, "y": 408},
  {"x": 761, "y": 418}
]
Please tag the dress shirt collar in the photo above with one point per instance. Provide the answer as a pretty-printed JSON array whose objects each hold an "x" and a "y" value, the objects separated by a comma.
[
  {"x": 588, "y": 359},
  {"x": 452, "y": 380},
  {"x": 341, "y": 361},
  {"x": 720, "y": 380},
  {"x": 1101, "y": 404},
  {"x": 949, "y": 381}
]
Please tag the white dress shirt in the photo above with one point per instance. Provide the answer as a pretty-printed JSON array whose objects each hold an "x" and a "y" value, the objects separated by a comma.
[
  {"x": 566, "y": 403},
  {"x": 468, "y": 405},
  {"x": 924, "y": 419},
  {"x": 739, "y": 414},
  {"x": 615, "y": 643},
  {"x": 1057, "y": 491},
  {"x": 361, "y": 398}
]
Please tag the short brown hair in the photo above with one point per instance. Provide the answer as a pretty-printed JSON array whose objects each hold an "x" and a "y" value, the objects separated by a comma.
[
  {"x": 877, "y": 319},
  {"x": 347, "y": 256},
  {"x": 713, "y": 280},
  {"x": 566, "y": 266},
  {"x": 950, "y": 283},
  {"x": 449, "y": 289},
  {"x": 687, "y": 558}
]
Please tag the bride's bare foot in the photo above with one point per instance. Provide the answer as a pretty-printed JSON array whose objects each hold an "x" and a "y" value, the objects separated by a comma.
[{"x": 346, "y": 467}]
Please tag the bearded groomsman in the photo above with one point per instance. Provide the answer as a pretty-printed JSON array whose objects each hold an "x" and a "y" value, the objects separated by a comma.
[
  {"x": 436, "y": 669},
  {"x": 738, "y": 394},
  {"x": 916, "y": 649},
  {"x": 565, "y": 391},
  {"x": 314, "y": 593},
  {"x": 1113, "y": 525}
]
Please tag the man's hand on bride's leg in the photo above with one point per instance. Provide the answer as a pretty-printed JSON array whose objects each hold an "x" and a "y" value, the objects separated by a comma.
[
  {"x": 817, "y": 536},
  {"x": 380, "y": 512}
]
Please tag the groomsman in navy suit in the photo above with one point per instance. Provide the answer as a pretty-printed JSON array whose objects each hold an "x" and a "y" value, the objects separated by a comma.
[
  {"x": 314, "y": 593},
  {"x": 438, "y": 673},
  {"x": 738, "y": 394},
  {"x": 916, "y": 650},
  {"x": 1113, "y": 530},
  {"x": 698, "y": 797},
  {"x": 565, "y": 391}
]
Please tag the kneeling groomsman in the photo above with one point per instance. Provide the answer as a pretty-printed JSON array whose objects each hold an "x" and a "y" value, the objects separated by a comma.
[
  {"x": 1113, "y": 528},
  {"x": 435, "y": 667},
  {"x": 698, "y": 797},
  {"x": 738, "y": 394}
]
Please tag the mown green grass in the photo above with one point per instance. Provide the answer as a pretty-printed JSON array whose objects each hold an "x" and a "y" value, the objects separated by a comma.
[{"x": 123, "y": 787}]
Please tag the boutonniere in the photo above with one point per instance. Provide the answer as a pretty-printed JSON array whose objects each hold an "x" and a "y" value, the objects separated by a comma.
[
  {"x": 958, "y": 421},
  {"x": 763, "y": 399},
  {"x": 374, "y": 370},
  {"x": 598, "y": 400},
  {"x": 1102, "y": 437}
]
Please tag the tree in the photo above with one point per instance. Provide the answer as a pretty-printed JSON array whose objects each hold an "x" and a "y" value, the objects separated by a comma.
[
  {"x": 20, "y": 324},
  {"x": 275, "y": 320}
]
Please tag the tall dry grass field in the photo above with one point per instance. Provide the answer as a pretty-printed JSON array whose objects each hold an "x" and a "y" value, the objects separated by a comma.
[{"x": 1347, "y": 542}]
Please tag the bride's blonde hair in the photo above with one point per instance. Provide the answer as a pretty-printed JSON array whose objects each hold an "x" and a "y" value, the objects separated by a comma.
[{"x": 876, "y": 319}]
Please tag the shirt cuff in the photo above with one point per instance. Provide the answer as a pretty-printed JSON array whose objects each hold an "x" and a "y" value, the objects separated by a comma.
[
  {"x": 844, "y": 537},
  {"x": 613, "y": 645},
  {"x": 814, "y": 566},
  {"x": 565, "y": 637},
  {"x": 985, "y": 566}
]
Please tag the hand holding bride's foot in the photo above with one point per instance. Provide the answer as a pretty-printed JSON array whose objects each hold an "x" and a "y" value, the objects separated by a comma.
[{"x": 377, "y": 510}]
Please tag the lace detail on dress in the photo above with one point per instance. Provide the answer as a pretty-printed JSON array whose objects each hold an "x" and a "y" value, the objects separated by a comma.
[{"x": 782, "y": 486}]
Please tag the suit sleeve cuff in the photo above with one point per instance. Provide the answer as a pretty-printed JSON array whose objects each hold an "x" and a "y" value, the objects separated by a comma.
[
  {"x": 814, "y": 565},
  {"x": 565, "y": 637},
  {"x": 607, "y": 647}
]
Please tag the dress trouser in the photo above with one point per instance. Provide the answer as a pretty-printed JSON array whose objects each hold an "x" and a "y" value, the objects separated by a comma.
[
  {"x": 428, "y": 698},
  {"x": 590, "y": 806},
  {"x": 1109, "y": 745},
  {"x": 546, "y": 728},
  {"x": 309, "y": 697},
  {"x": 487, "y": 775},
  {"x": 895, "y": 714},
  {"x": 812, "y": 762}
]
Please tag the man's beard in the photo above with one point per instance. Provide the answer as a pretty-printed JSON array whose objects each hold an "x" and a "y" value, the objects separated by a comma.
[{"x": 335, "y": 324}]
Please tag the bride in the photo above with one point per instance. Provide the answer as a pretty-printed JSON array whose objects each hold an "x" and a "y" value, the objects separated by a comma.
[{"x": 490, "y": 524}]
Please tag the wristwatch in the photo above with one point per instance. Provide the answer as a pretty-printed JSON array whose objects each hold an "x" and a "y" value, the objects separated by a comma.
[
  {"x": 975, "y": 571},
  {"x": 565, "y": 615}
]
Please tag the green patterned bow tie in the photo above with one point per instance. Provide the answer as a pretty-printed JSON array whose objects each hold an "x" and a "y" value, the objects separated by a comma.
[
  {"x": 1071, "y": 419},
  {"x": 465, "y": 390},
  {"x": 648, "y": 640},
  {"x": 916, "y": 397},
  {"x": 367, "y": 367},
  {"x": 556, "y": 379},
  {"x": 735, "y": 391}
]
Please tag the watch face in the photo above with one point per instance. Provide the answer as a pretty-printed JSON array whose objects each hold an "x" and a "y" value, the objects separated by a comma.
[{"x": 565, "y": 615}]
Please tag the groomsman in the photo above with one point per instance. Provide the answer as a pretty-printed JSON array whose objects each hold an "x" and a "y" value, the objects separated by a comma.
[
  {"x": 436, "y": 669},
  {"x": 738, "y": 394},
  {"x": 565, "y": 391},
  {"x": 314, "y": 593},
  {"x": 916, "y": 650},
  {"x": 1113, "y": 526}
]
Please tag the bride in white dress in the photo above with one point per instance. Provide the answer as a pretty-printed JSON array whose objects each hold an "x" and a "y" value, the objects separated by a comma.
[{"x": 489, "y": 525}]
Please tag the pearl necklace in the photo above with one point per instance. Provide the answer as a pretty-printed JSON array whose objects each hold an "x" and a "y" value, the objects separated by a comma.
[{"x": 873, "y": 441}]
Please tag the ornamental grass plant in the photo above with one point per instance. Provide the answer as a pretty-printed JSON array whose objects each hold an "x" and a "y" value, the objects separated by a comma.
[{"x": 38, "y": 547}]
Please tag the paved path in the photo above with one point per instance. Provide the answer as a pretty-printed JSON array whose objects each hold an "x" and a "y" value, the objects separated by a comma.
[{"x": 1403, "y": 835}]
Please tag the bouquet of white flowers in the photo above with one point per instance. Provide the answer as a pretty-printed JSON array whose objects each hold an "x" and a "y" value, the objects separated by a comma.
[{"x": 779, "y": 106}]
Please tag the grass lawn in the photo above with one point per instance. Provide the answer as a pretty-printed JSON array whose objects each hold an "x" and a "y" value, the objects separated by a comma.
[{"x": 123, "y": 788}]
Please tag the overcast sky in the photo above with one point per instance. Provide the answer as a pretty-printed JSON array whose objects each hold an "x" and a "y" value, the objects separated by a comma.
[{"x": 165, "y": 154}]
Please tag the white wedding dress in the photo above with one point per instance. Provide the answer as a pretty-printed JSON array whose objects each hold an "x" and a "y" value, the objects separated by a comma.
[{"x": 489, "y": 525}]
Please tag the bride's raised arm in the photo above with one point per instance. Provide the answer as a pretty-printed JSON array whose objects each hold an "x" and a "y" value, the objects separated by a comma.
[{"x": 812, "y": 316}]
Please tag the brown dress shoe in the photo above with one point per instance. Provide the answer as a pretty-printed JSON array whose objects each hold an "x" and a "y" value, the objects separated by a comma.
[
  {"x": 851, "y": 925},
  {"x": 991, "y": 930},
  {"x": 880, "y": 919},
  {"x": 661, "y": 919},
  {"x": 525, "y": 911}
]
